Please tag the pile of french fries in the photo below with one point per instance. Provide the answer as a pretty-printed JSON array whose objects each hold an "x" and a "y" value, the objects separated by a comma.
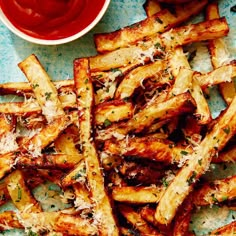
[{"x": 129, "y": 138}]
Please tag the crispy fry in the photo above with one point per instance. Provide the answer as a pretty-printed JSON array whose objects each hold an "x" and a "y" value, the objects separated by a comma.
[
  {"x": 24, "y": 88},
  {"x": 198, "y": 163},
  {"x": 179, "y": 104},
  {"x": 183, "y": 217},
  {"x": 20, "y": 194},
  {"x": 137, "y": 195},
  {"x": 8, "y": 220},
  {"x": 138, "y": 223},
  {"x": 102, "y": 208},
  {"x": 145, "y": 147},
  {"x": 44, "y": 90},
  {"x": 220, "y": 55},
  {"x": 159, "y": 22},
  {"x": 215, "y": 192},
  {"x": 48, "y": 161},
  {"x": 151, "y": 7},
  {"x": 225, "y": 230},
  {"x": 113, "y": 111},
  {"x": 136, "y": 77},
  {"x": 191, "y": 33}
]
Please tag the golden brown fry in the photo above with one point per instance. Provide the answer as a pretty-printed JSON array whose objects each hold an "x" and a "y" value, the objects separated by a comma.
[
  {"x": 145, "y": 147},
  {"x": 215, "y": 192},
  {"x": 179, "y": 104},
  {"x": 183, "y": 217},
  {"x": 137, "y": 76},
  {"x": 113, "y": 111},
  {"x": 24, "y": 88},
  {"x": 226, "y": 156},
  {"x": 202, "y": 113},
  {"x": 220, "y": 55},
  {"x": 225, "y": 230},
  {"x": 219, "y": 75},
  {"x": 102, "y": 207},
  {"x": 198, "y": 163},
  {"x": 147, "y": 214},
  {"x": 48, "y": 161},
  {"x": 44, "y": 90},
  {"x": 8, "y": 220},
  {"x": 136, "y": 220},
  {"x": 137, "y": 195},
  {"x": 192, "y": 33},
  {"x": 159, "y": 22},
  {"x": 46, "y": 136},
  {"x": 20, "y": 194},
  {"x": 152, "y": 7}
]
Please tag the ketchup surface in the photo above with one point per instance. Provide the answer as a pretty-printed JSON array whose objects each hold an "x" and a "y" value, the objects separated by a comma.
[{"x": 51, "y": 19}]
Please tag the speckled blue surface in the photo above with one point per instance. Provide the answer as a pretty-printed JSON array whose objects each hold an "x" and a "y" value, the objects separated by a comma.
[{"x": 58, "y": 62}]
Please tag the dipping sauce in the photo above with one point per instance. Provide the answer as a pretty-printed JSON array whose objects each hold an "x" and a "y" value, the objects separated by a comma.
[{"x": 51, "y": 19}]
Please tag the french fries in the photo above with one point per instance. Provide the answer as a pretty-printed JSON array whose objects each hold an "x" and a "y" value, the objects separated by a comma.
[
  {"x": 159, "y": 22},
  {"x": 127, "y": 140}
]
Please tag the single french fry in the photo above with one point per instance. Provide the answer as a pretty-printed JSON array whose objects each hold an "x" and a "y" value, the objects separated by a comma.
[
  {"x": 183, "y": 217},
  {"x": 159, "y": 22},
  {"x": 137, "y": 76},
  {"x": 102, "y": 207},
  {"x": 198, "y": 163},
  {"x": 202, "y": 114},
  {"x": 225, "y": 230},
  {"x": 136, "y": 220},
  {"x": 145, "y": 147},
  {"x": 24, "y": 88},
  {"x": 113, "y": 111},
  {"x": 20, "y": 194},
  {"x": 137, "y": 195},
  {"x": 48, "y": 161},
  {"x": 179, "y": 104},
  {"x": 44, "y": 90},
  {"x": 202, "y": 31},
  {"x": 219, "y": 75},
  {"x": 152, "y": 7},
  {"x": 220, "y": 55},
  {"x": 215, "y": 192}
]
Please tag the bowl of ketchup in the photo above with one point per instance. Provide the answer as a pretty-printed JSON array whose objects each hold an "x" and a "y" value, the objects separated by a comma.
[{"x": 51, "y": 22}]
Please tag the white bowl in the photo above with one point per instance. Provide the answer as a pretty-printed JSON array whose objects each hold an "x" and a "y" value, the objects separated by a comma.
[{"x": 36, "y": 40}]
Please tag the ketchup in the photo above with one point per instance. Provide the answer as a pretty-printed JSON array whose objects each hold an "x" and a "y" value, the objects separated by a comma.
[{"x": 51, "y": 19}]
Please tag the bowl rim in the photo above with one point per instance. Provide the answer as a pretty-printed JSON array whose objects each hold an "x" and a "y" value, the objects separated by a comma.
[{"x": 71, "y": 38}]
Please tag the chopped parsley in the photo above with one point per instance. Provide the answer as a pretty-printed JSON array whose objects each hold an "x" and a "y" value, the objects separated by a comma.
[
  {"x": 191, "y": 179},
  {"x": 107, "y": 123},
  {"x": 48, "y": 95}
]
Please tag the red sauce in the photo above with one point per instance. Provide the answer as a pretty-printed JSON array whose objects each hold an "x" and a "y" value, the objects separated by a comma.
[{"x": 51, "y": 19}]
